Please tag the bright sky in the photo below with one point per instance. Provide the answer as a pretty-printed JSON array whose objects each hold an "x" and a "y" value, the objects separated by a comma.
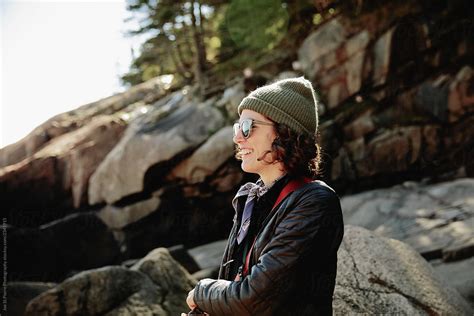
[{"x": 56, "y": 56}]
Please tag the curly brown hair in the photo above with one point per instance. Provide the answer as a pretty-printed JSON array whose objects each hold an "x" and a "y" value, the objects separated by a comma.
[{"x": 300, "y": 153}]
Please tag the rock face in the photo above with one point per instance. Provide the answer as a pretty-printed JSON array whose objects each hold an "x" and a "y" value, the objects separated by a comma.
[
  {"x": 172, "y": 278},
  {"x": 335, "y": 60},
  {"x": 20, "y": 293},
  {"x": 436, "y": 220},
  {"x": 48, "y": 253},
  {"x": 230, "y": 100},
  {"x": 70, "y": 121},
  {"x": 118, "y": 217},
  {"x": 59, "y": 173},
  {"x": 379, "y": 276},
  {"x": 207, "y": 158},
  {"x": 394, "y": 113},
  {"x": 156, "y": 166},
  {"x": 458, "y": 275},
  {"x": 190, "y": 221},
  {"x": 157, "y": 285},
  {"x": 149, "y": 143},
  {"x": 449, "y": 95},
  {"x": 108, "y": 290}
]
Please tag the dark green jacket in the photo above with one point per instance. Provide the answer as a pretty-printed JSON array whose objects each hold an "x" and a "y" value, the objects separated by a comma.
[{"x": 293, "y": 262}]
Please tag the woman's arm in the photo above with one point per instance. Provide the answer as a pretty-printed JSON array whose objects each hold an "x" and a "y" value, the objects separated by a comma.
[{"x": 313, "y": 225}]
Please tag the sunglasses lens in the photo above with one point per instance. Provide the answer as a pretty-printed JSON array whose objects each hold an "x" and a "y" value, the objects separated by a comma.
[
  {"x": 236, "y": 128},
  {"x": 246, "y": 126}
]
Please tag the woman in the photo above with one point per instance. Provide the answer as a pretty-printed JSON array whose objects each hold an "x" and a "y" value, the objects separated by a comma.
[{"x": 281, "y": 254}]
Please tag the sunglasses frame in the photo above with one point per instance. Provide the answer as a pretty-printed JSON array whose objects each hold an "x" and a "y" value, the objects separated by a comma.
[{"x": 238, "y": 126}]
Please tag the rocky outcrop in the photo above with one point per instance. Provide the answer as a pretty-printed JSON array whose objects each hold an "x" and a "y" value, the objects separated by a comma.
[
  {"x": 157, "y": 166},
  {"x": 59, "y": 173},
  {"x": 116, "y": 217},
  {"x": 230, "y": 100},
  {"x": 396, "y": 103},
  {"x": 20, "y": 293},
  {"x": 105, "y": 291},
  {"x": 376, "y": 276},
  {"x": 53, "y": 251},
  {"x": 172, "y": 278},
  {"x": 157, "y": 285},
  {"x": 191, "y": 221},
  {"x": 458, "y": 275},
  {"x": 384, "y": 276},
  {"x": 335, "y": 60},
  {"x": 153, "y": 141},
  {"x": 436, "y": 220},
  {"x": 72, "y": 120},
  {"x": 205, "y": 161},
  {"x": 446, "y": 97}
]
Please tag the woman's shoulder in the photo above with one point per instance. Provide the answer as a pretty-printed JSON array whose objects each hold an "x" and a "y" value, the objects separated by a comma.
[
  {"x": 317, "y": 186},
  {"x": 316, "y": 191},
  {"x": 313, "y": 201}
]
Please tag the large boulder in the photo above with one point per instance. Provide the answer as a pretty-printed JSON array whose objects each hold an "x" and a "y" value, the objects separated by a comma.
[
  {"x": 170, "y": 276},
  {"x": 380, "y": 276},
  {"x": 58, "y": 174},
  {"x": 207, "y": 158},
  {"x": 435, "y": 219},
  {"x": 156, "y": 285},
  {"x": 400, "y": 99},
  {"x": 150, "y": 146},
  {"x": 105, "y": 291}
]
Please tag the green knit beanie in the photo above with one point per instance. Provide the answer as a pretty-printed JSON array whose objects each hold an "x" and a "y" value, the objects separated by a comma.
[{"x": 291, "y": 102}]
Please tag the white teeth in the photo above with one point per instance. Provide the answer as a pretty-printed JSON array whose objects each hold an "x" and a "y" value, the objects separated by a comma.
[{"x": 245, "y": 151}]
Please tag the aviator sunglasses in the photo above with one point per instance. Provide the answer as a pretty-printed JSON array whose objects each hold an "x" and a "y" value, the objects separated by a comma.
[{"x": 246, "y": 126}]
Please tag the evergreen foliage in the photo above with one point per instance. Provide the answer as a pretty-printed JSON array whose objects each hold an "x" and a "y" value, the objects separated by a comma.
[{"x": 209, "y": 41}]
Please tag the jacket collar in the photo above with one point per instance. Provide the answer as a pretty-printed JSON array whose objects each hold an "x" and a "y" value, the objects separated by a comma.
[{"x": 259, "y": 189}]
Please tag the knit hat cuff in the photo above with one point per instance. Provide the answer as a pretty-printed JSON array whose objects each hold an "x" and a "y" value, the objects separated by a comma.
[{"x": 273, "y": 112}]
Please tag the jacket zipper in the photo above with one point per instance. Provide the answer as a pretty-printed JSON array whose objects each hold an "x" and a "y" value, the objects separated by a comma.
[{"x": 226, "y": 265}]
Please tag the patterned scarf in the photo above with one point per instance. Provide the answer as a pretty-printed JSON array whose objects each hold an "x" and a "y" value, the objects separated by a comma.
[{"x": 253, "y": 191}]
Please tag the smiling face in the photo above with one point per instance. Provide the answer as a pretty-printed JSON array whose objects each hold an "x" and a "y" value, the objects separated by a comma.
[{"x": 254, "y": 150}]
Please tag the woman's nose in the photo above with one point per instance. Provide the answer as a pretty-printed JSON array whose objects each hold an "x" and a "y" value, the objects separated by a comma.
[{"x": 238, "y": 138}]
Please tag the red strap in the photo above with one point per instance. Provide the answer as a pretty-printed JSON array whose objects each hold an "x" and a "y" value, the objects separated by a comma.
[{"x": 291, "y": 186}]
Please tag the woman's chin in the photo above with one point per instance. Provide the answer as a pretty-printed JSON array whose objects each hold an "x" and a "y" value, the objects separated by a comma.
[{"x": 247, "y": 167}]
